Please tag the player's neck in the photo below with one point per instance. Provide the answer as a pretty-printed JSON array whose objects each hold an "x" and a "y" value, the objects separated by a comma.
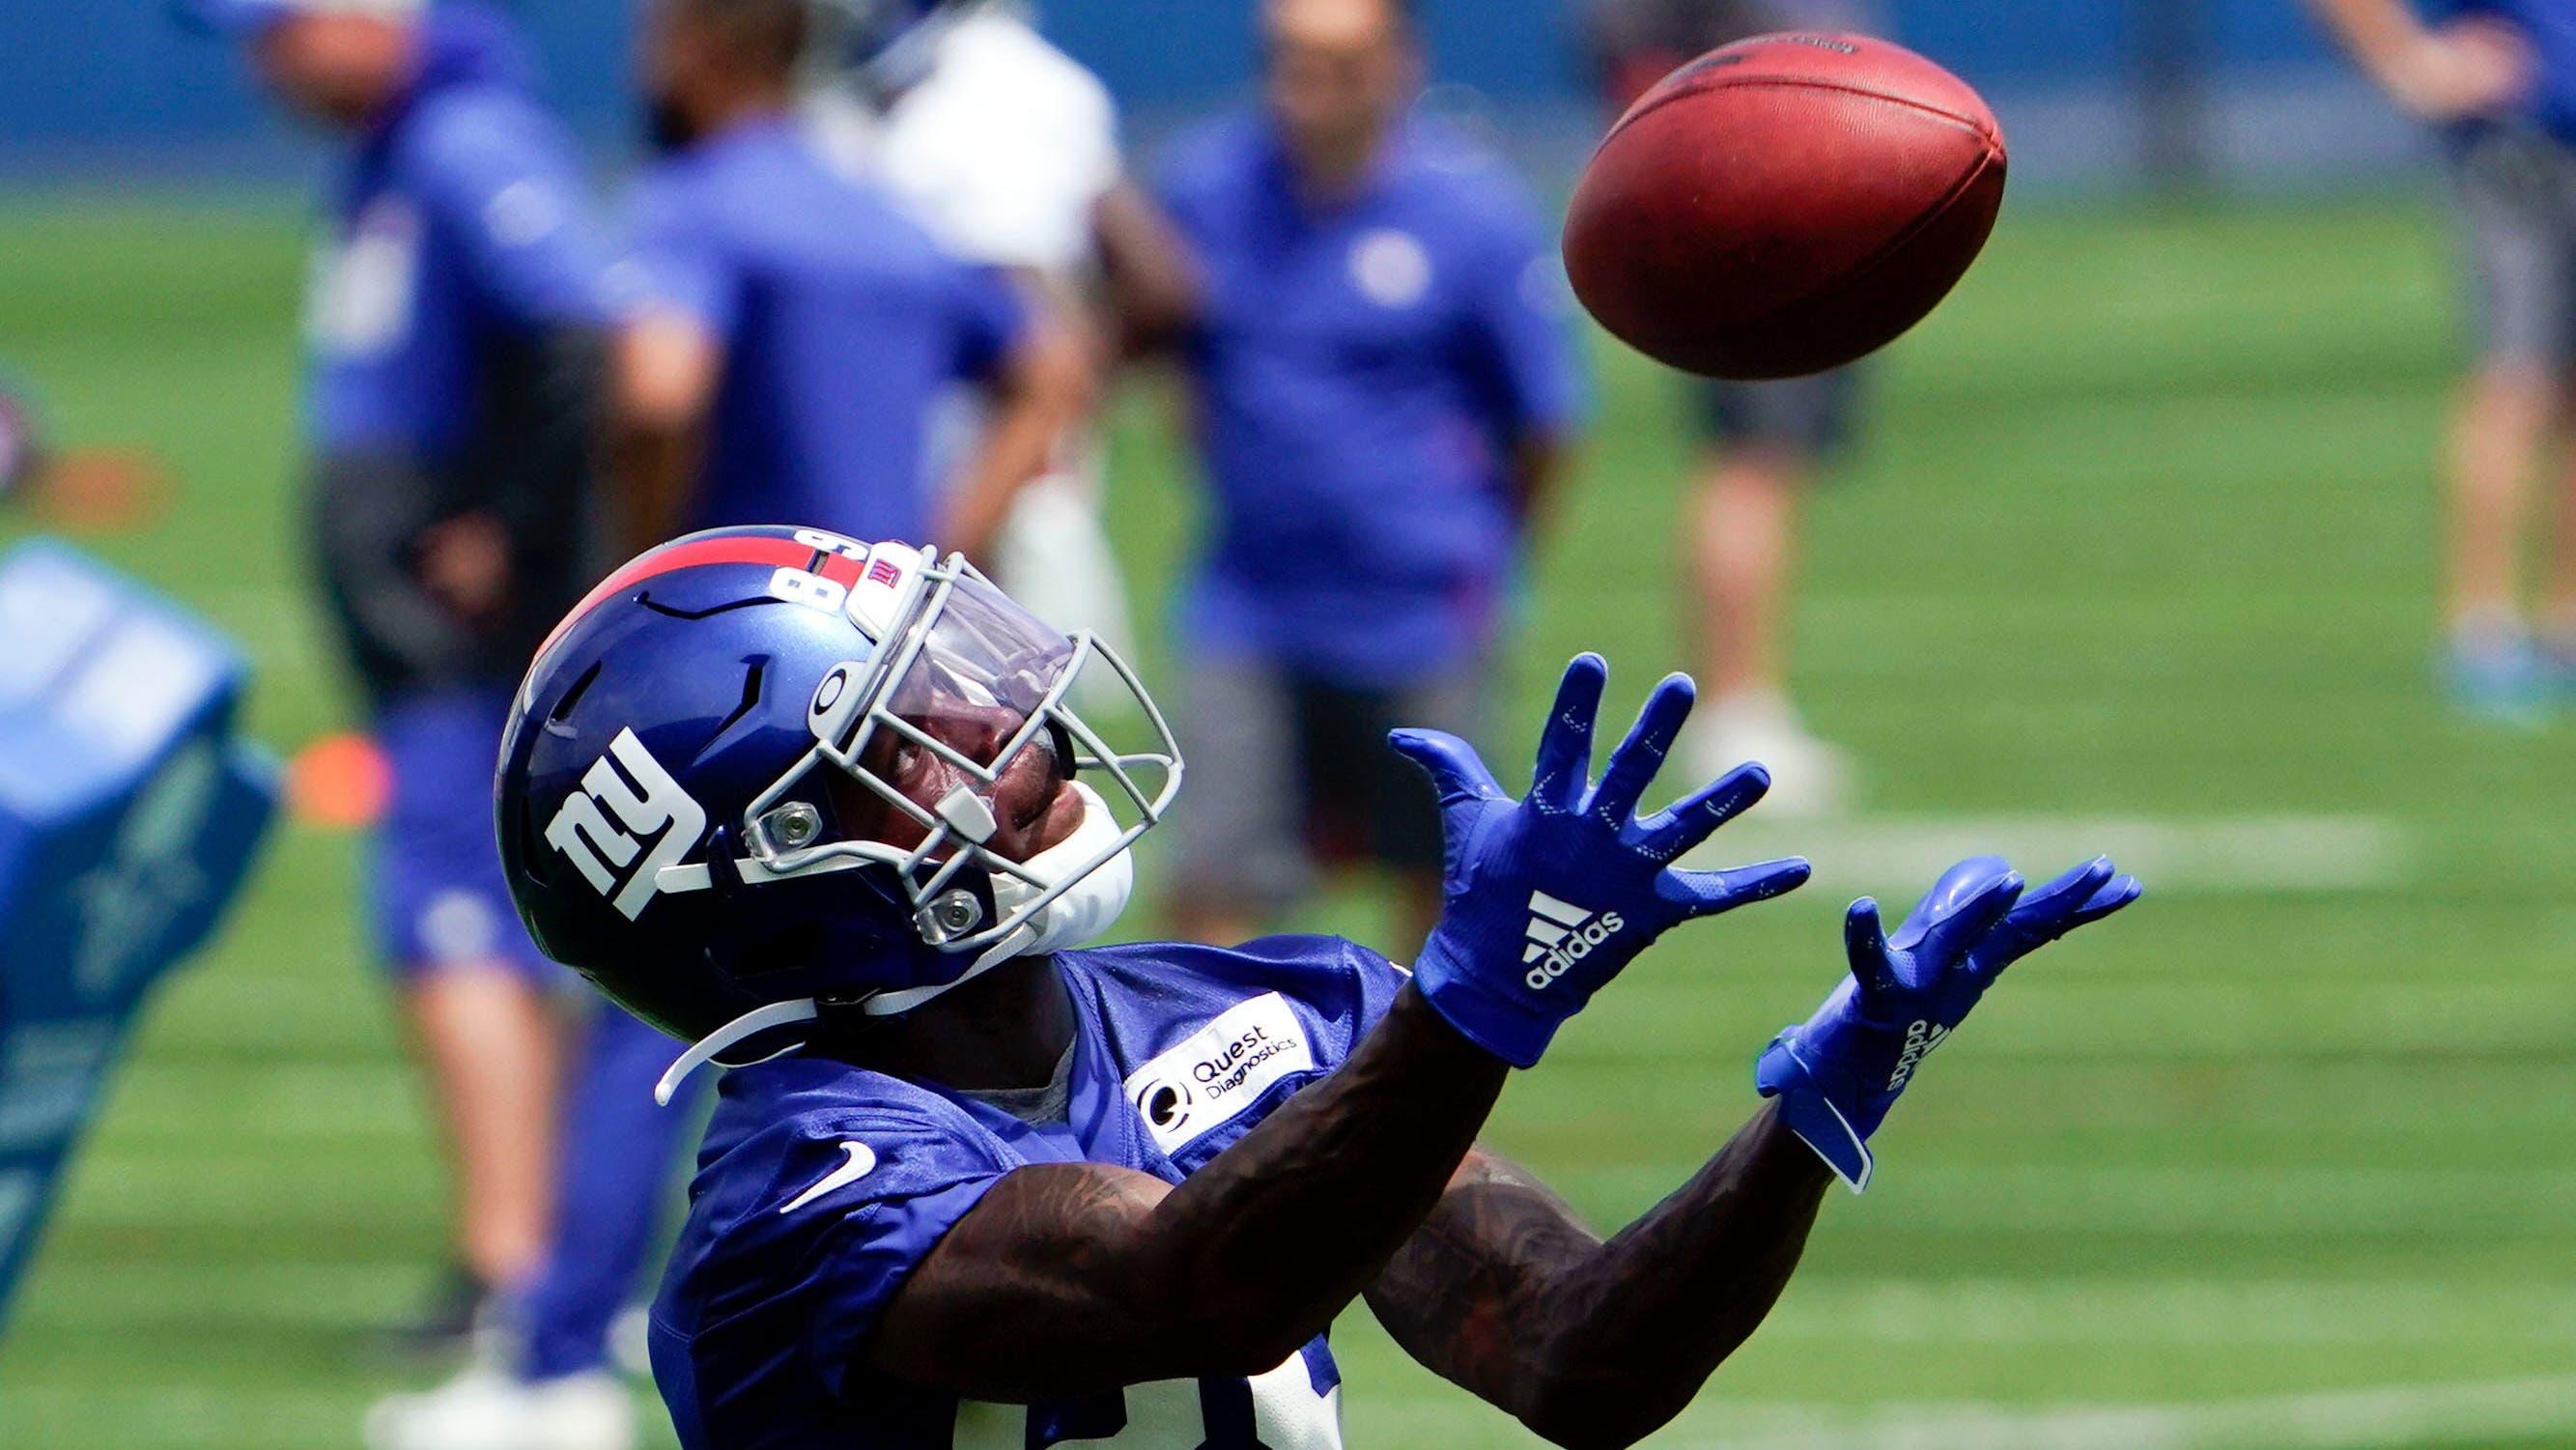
[{"x": 1005, "y": 1029}]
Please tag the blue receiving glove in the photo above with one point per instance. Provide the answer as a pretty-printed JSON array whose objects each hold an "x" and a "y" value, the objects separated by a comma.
[
  {"x": 1837, "y": 1075},
  {"x": 1548, "y": 898}
]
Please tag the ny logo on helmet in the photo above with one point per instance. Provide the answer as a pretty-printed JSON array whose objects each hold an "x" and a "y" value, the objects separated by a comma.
[{"x": 644, "y": 799}]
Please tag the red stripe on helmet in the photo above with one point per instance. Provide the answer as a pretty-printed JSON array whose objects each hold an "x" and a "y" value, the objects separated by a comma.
[
  {"x": 841, "y": 569},
  {"x": 689, "y": 554}
]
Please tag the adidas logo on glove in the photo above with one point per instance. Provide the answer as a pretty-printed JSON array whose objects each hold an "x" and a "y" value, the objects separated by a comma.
[
  {"x": 1920, "y": 1039},
  {"x": 1561, "y": 934}
]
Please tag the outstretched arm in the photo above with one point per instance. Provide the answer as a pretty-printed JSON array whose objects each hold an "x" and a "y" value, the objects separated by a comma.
[
  {"x": 1505, "y": 1293},
  {"x": 1596, "y": 1344}
]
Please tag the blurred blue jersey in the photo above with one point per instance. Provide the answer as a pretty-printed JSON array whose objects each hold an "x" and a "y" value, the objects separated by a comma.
[
  {"x": 2550, "y": 28},
  {"x": 460, "y": 234},
  {"x": 1363, "y": 373},
  {"x": 842, "y": 325},
  {"x": 821, "y": 1185}
]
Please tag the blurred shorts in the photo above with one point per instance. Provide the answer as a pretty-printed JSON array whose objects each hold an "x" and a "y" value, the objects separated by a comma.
[
  {"x": 1812, "y": 416},
  {"x": 1286, "y": 772},
  {"x": 436, "y": 892},
  {"x": 2518, "y": 212}
]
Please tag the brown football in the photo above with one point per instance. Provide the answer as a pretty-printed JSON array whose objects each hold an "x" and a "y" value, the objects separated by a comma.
[{"x": 1784, "y": 205}]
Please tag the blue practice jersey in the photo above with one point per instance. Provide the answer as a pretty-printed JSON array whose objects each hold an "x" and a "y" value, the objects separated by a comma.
[
  {"x": 2550, "y": 28},
  {"x": 461, "y": 234},
  {"x": 842, "y": 325},
  {"x": 821, "y": 1185},
  {"x": 1363, "y": 372}
]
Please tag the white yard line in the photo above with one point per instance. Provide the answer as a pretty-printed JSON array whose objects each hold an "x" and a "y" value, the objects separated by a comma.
[
  {"x": 2259, "y": 1315},
  {"x": 2375, "y": 1419},
  {"x": 2250, "y": 854}
]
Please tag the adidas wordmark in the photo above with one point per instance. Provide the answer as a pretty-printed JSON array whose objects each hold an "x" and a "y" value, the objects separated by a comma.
[
  {"x": 1920, "y": 1039},
  {"x": 1561, "y": 934}
]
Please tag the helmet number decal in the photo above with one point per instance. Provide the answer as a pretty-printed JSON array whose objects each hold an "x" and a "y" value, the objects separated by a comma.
[
  {"x": 811, "y": 590},
  {"x": 602, "y": 826}
]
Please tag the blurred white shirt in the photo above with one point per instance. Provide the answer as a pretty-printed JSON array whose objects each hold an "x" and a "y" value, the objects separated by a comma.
[{"x": 1002, "y": 150}]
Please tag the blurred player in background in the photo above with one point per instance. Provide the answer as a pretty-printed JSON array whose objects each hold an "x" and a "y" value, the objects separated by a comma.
[
  {"x": 1765, "y": 445},
  {"x": 2499, "y": 77},
  {"x": 1006, "y": 149},
  {"x": 789, "y": 330},
  {"x": 1383, "y": 383},
  {"x": 783, "y": 337},
  {"x": 453, "y": 329}
]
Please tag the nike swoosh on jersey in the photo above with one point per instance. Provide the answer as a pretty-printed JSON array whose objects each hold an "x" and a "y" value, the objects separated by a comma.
[{"x": 863, "y": 1161}]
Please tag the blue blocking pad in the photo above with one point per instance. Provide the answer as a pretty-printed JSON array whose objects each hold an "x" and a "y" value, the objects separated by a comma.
[{"x": 129, "y": 815}]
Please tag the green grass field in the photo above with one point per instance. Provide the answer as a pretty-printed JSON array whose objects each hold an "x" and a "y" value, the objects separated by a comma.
[{"x": 2144, "y": 533}]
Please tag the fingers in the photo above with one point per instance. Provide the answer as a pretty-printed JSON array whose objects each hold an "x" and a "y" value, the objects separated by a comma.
[
  {"x": 2063, "y": 896},
  {"x": 1565, "y": 746},
  {"x": 1633, "y": 765},
  {"x": 1956, "y": 886},
  {"x": 1972, "y": 908},
  {"x": 2117, "y": 892},
  {"x": 1865, "y": 947},
  {"x": 1687, "y": 822},
  {"x": 1710, "y": 893},
  {"x": 2042, "y": 916},
  {"x": 1456, "y": 771},
  {"x": 2088, "y": 893}
]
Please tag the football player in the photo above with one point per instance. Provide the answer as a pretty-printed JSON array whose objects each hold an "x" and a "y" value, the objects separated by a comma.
[
  {"x": 826, "y": 809},
  {"x": 453, "y": 323},
  {"x": 2499, "y": 78},
  {"x": 1383, "y": 387}
]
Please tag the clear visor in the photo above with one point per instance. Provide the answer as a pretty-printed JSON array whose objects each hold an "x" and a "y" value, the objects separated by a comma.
[
  {"x": 979, "y": 683},
  {"x": 960, "y": 751}
]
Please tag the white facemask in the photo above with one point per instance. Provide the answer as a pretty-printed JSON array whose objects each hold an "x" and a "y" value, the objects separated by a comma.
[{"x": 1087, "y": 908}]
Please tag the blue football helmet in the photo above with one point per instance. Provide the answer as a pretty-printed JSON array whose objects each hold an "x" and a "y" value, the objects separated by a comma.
[{"x": 753, "y": 779}]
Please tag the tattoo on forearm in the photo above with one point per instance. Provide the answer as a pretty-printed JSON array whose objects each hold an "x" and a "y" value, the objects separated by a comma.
[{"x": 1506, "y": 1293}]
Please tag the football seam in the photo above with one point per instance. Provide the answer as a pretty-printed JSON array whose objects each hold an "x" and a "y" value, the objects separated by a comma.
[
  {"x": 1896, "y": 243},
  {"x": 1992, "y": 136}
]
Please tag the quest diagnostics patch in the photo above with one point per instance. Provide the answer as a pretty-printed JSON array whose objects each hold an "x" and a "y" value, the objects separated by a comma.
[{"x": 1218, "y": 1071}]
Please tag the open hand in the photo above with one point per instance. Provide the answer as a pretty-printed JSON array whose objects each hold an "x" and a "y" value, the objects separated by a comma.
[
  {"x": 1548, "y": 898},
  {"x": 1837, "y": 1074}
]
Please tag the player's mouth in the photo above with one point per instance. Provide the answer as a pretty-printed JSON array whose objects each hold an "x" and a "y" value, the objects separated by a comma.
[{"x": 1056, "y": 820}]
